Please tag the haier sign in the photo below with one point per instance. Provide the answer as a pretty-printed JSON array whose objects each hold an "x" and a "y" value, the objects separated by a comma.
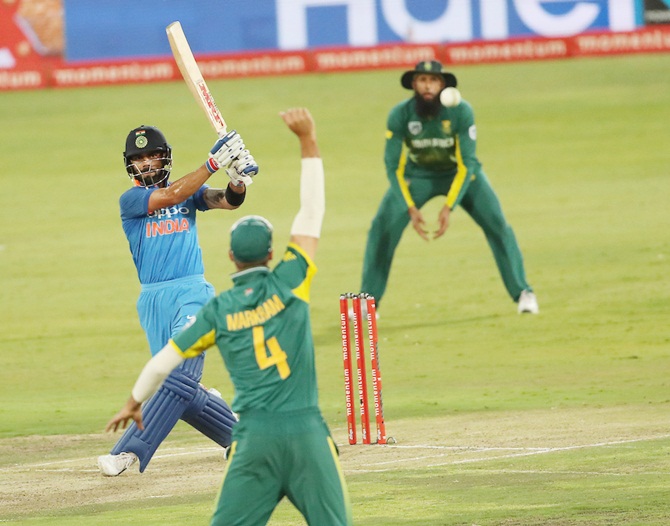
[
  {"x": 98, "y": 29},
  {"x": 371, "y": 22}
]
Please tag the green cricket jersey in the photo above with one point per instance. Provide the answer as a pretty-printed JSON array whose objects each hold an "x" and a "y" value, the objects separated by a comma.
[
  {"x": 443, "y": 146},
  {"x": 426, "y": 158},
  {"x": 262, "y": 329}
]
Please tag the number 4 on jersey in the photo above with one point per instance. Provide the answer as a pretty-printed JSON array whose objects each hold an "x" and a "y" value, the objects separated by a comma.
[{"x": 277, "y": 355}]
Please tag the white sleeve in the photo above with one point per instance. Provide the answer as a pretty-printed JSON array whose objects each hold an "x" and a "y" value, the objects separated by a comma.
[
  {"x": 155, "y": 371},
  {"x": 309, "y": 219}
]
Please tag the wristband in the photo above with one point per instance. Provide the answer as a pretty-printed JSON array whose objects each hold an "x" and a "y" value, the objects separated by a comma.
[
  {"x": 233, "y": 198},
  {"x": 211, "y": 165}
]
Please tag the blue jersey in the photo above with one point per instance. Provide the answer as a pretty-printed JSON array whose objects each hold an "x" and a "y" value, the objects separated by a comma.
[{"x": 164, "y": 243}]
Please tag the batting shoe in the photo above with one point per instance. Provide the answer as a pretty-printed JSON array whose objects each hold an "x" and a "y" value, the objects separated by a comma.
[
  {"x": 528, "y": 303},
  {"x": 114, "y": 465}
]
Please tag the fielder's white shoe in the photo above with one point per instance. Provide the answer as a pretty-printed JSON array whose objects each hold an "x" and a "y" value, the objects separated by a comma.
[
  {"x": 528, "y": 303},
  {"x": 114, "y": 465}
]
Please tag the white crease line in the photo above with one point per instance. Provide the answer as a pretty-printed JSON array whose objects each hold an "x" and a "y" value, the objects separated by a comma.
[
  {"x": 569, "y": 472},
  {"x": 526, "y": 453},
  {"x": 63, "y": 470},
  {"x": 463, "y": 448},
  {"x": 202, "y": 450},
  {"x": 486, "y": 448},
  {"x": 92, "y": 460}
]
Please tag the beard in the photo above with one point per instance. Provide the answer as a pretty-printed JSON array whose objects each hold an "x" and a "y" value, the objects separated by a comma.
[
  {"x": 152, "y": 177},
  {"x": 427, "y": 108}
]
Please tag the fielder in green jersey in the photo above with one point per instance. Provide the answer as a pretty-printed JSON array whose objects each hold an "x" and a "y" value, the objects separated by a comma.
[
  {"x": 281, "y": 445},
  {"x": 430, "y": 151}
]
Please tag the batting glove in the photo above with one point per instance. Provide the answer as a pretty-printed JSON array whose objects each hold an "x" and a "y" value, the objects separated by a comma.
[
  {"x": 224, "y": 151},
  {"x": 242, "y": 169}
]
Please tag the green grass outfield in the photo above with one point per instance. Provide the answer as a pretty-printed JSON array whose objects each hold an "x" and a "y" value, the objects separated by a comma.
[{"x": 501, "y": 419}]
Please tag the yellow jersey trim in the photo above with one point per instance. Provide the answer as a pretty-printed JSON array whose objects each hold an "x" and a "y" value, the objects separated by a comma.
[
  {"x": 203, "y": 343},
  {"x": 343, "y": 482},
  {"x": 229, "y": 459},
  {"x": 400, "y": 176},
  {"x": 459, "y": 178},
  {"x": 302, "y": 290}
]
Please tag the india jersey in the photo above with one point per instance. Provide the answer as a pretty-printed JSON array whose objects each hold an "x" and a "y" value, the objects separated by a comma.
[
  {"x": 164, "y": 244},
  {"x": 262, "y": 329}
]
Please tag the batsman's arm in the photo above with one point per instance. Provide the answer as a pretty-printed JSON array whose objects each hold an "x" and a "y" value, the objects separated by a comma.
[
  {"x": 179, "y": 190},
  {"x": 224, "y": 151},
  {"x": 306, "y": 227},
  {"x": 230, "y": 198},
  {"x": 148, "y": 382}
]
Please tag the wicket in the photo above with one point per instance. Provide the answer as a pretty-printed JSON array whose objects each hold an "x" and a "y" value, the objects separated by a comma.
[{"x": 361, "y": 370}]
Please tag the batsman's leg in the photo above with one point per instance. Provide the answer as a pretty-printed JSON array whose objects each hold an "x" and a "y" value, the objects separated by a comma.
[
  {"x": 210, "y": 414},
  {"x": 181, "y": 396},
  {"x": 162, "y": 411}
]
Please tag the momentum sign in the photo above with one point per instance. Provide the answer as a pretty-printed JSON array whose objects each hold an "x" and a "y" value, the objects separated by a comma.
[{"x": 127, "y": 42}]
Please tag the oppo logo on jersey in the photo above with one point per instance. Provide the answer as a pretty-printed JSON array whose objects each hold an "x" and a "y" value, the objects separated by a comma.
[
  {"x": 166, "y": 227},
  {"x": 169, "y": 212}
]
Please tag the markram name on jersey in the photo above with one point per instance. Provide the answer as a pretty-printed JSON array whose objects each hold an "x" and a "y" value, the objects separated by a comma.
[{"x": 249, "y": 318}]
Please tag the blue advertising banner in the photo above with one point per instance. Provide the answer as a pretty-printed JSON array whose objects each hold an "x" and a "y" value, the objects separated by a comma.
[{"x": 123, "y": 29}]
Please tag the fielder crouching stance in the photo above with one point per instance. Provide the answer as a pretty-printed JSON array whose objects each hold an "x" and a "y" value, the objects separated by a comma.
[
  {"x": 430, "y": 151},
  {"x": 159, "y": 220},
  {"x": 281, "y": 445}
]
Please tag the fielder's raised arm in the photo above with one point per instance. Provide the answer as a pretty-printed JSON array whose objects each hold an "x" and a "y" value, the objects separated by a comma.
[{"x": 306, "y": 228}]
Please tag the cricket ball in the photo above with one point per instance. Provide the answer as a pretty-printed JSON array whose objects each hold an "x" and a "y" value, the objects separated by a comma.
[{"x": 450, "y": 97}]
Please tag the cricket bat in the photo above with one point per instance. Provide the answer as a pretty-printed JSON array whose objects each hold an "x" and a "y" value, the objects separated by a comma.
[{"x": 191, "y": 72}]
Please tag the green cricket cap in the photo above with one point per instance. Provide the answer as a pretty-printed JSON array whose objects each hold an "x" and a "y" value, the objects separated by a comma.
[
  {"x": 251, "y": 239},
  {"x": 432, "y": 67}
]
